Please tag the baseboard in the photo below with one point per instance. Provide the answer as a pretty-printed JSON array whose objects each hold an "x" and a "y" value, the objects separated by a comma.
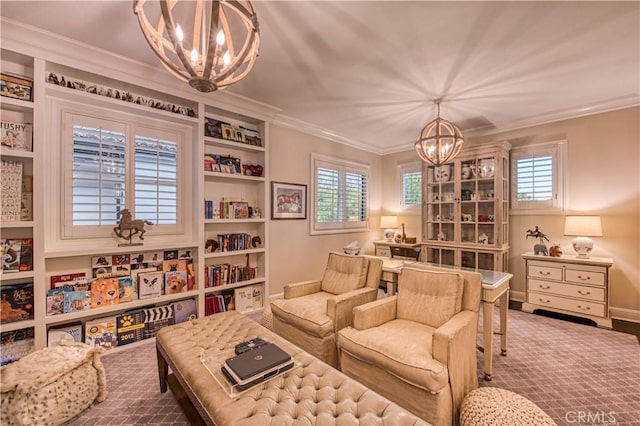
[
  {"x": 276, "y": 296},
  {"x": 624, "y": 314},
  {"x": 517, "y": 296}
]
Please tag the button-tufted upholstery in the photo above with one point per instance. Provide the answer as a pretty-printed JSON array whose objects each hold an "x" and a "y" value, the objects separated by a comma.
[
  {"x": 313, "y": 393},
  {"x": 312, "y": 312},
  {"x": 418, "y": 348}
]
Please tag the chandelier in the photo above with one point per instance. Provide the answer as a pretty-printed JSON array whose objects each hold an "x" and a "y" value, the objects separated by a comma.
[
  {"x": 439, "y": 141},
  {"x": 220, "y": 50}
]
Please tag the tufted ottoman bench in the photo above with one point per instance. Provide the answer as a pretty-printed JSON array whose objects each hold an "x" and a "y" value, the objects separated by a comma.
[
  {"x": 499, "y": 407},
  {"x": 311, "y": 393},
  {"x": 51, "y": 385}
]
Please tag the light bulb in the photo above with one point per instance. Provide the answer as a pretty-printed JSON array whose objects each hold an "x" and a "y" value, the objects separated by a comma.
[
  {"x": 220, "y": 38},
  {"x": 179, "y": 33},
  {"x": 226, "y": 58},
  {"x": 194, "y": 56}
]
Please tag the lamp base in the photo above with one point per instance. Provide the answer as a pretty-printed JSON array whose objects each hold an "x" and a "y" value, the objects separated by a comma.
[
  {"x": 582, "y": 246},
  {"x": 389, "y": 234}
]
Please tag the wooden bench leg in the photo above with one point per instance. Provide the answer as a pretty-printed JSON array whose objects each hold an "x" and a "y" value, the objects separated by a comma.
[{"x": 163, "y": 371}]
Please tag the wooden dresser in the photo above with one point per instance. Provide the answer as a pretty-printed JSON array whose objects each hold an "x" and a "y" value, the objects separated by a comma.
[{"x": 569, "y": 285}]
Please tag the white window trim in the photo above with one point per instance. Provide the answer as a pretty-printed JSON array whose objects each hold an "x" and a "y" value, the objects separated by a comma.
[
  {"x": 558, "y": 150},
  {"x": 401, "y": 169},
  {"x": 345, "y": 227},
  {"x": 57, "y": 190}
]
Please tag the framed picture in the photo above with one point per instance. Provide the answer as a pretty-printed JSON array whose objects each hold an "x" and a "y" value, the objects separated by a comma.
[
  {"x": 14, "y": 86},
  {"x": 288, "y": 201}
]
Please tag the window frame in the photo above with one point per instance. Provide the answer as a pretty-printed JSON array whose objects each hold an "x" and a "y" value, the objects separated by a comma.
[
  {"x": 62, "y": 234},
  {"x": 401, "y": 170},
  {"x": 318, "y": 161},
  {"x": 557, "y": 205}
]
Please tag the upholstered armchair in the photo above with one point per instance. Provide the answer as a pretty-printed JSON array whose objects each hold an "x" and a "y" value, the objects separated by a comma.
[
  {"x": 418, "y": 348},
  {"x": 312, "y": 312}
]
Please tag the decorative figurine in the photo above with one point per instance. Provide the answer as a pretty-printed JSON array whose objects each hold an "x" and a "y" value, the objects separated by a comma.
[
  {"x": 134, "y": 226},
  {"x": 539, "y": 249},
  {"x": 555, "y": 251}
]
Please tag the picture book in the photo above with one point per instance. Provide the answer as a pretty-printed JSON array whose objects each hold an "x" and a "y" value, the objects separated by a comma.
[
  {"x": 101, "y": 332},
  {"x": 55, "y": 302},
  {"x": 16, "y": 302},
  {"x": 15, "y": 344},
  {"x": 184, "y": 310},
  {"x": 174, "y": 265},
  {"x": 150, "y": 284},
  {"x": 11, "y": 192},
  {"x": 243, "y": 299},
  {"x": 128, "y": 291},
  {"x": 75, "y": 279},
  {"x": 256, "y": 296},
  {"x": 74, "y": 300},
  {"x": 11, "y": 249},
  {"x": 156, "y": 318},
  {"x": 15, "y": 135},
  {"x": 104, "y": 292},
  {"x": 26, "y": 254},
  {"x": 175, "y": 282},
  {"x": 64, "y": 333},
  {"x": 130, "y": 327},
  {"x": 211, "y": 163}
]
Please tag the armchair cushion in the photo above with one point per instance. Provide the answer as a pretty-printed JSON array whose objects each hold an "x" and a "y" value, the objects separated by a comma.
[
  {"x": 429, "y": 297},
  {"x": 344, "y": 273},
  {"x": 401, "y": 347},
  {"x": 307, "y": 313}
]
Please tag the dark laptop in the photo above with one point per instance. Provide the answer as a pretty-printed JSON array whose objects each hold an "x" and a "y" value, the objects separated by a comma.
[{"x": 256, "y": 365}]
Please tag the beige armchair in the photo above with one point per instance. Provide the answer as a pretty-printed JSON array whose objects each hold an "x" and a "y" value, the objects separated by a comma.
[
  {"x": 312, "y": 312},
  {"x": 418, "y": 348}
]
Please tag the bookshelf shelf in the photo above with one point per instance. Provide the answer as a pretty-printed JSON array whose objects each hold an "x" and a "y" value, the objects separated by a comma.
[
  {"x": 17, "y": 325},
  {"x": 233, "y": 253}
]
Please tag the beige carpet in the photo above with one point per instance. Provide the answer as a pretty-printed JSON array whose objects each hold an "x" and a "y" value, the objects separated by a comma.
[{"x": 578, "y": 374}]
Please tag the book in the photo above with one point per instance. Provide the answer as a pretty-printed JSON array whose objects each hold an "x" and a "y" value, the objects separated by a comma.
[
  {"x": 175, "y": 282},
  {"x": 11, "y": 249},
  {"x": 184, "y": 310},
  {"x": 74, "y": 300},
  {"x": 75, "y": 279},
  {"x": 26, "y": 254},
  {"x": 101, "y": 332},
  {"x": 26, "y": 204},
  {"x": 211, "y": 163},
  {"x": 243, "y": 299},
  {"x": 55, "y": 301},
  {"x": 105, "y": 292},
  {"x": 15, "y": 86},
  {"x": 15, "y": 344},
  {"x": 16, "y": 302},
  {"x": 128, "y": 291},
  {"x": 64, "y": 333},
  {"x": 157, "y": 317},
  {"x": 150, "y": 284},
  {"x": 11, "y": 190},
  {"x": 15, "y": 135},
  {"x": 130, "y": 327}
]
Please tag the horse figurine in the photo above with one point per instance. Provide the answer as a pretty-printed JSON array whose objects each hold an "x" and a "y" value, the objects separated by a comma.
[
  {"x": 541, "y": 248},
  {"x": 127, "y": 223}
]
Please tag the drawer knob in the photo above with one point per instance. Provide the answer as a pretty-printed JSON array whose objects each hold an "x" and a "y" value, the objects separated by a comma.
[
  {"x": 587, "y": 278},
  {"x": 544, "y": 273},
  {"x": 586, "y": 308},
  {"x": 545, "y": 301},
  {"x": 584, "y": 293},
  {"x": 544, "y": 287}
]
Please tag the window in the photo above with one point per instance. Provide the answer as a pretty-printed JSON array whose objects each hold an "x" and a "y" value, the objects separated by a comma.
[
  {"x": 410, "y": 178},
  {"x": 115, "y": 162},
  {"x": 537, "y": 178},
  {"x": 340, "y": 199}
]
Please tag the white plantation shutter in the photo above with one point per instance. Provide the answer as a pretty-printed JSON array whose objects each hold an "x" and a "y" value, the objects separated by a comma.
[
  {"x": 116, "y": 165},
  {"x": 340, "y": 195},
  {"x": 537, "y": 177},
  {"x": 156, "y": 179}
]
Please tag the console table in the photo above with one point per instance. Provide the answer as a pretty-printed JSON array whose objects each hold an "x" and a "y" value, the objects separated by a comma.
[
  {"x": 383, "y": 247},
  {"x": 495, "y": 287}
]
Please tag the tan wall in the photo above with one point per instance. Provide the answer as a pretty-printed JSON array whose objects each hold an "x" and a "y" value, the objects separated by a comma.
[
  {"x": 603, "y": 158},
  {"x": 295, "y": 255}
]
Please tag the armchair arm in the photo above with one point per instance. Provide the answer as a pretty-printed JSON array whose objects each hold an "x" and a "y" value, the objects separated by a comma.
[
  {"x": 340, "y": 307},
  {"x": 454, "y": 345},
  {"x": 300, "y": 289},
  {"x": 374, "y": 313}
]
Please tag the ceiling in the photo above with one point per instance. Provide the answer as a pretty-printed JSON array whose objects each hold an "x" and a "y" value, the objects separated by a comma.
[{"x": 367, "y": 72}]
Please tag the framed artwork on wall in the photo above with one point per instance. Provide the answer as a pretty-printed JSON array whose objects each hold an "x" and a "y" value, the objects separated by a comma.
[{"x": 288, "y": 201}]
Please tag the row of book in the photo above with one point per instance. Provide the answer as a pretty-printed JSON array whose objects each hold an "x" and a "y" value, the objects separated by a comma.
[
  {"x": 234, "y": 242},
  {"x": 125, "y": 328},
  {"x": 17, "y": 254},
  {"x": 242, "y": 299},
  {"x": 225, "y": 273},
  {"x": 227, "y": 209}
]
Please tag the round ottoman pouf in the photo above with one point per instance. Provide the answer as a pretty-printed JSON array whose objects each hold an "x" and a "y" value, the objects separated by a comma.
[
  {"x": 500, "y": 407},
  {"x": 267, "y": 318}
]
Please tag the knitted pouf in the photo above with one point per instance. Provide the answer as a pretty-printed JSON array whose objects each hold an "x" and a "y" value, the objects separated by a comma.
[
  {"x": 500, "y": 407},
  {"x": 267, "y": 318}
]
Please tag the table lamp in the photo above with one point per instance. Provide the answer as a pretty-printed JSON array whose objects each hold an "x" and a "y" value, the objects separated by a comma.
[
  {"x": 389, "y": 224},
  {"x": 583, "y": 227}
]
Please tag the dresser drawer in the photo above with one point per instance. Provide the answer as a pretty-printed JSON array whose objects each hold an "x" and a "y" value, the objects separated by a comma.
[
  {"x": 383, "y": 251},
  {"x": 557, "y": 302},
  {"x": 537, "y": 271},
  {"x": 584, "y": 277},
  {"x": 595, "y": 294}
]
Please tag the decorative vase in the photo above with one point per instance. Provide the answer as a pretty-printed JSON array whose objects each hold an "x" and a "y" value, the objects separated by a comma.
[{"x": 442, "y": 173}]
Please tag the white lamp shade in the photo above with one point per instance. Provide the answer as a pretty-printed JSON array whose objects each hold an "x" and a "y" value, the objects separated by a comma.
[
  {"x": 583, "y": 226},
  {"x": 388, "y": 222}
]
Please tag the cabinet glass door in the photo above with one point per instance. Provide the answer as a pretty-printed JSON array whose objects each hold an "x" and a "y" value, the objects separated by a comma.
[{"x": 441, "y": 256}]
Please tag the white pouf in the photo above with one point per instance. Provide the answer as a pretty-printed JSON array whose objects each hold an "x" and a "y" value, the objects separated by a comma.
[
  {"x": 51, "y": 385},
  {"x": 500, "y": 407}
]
